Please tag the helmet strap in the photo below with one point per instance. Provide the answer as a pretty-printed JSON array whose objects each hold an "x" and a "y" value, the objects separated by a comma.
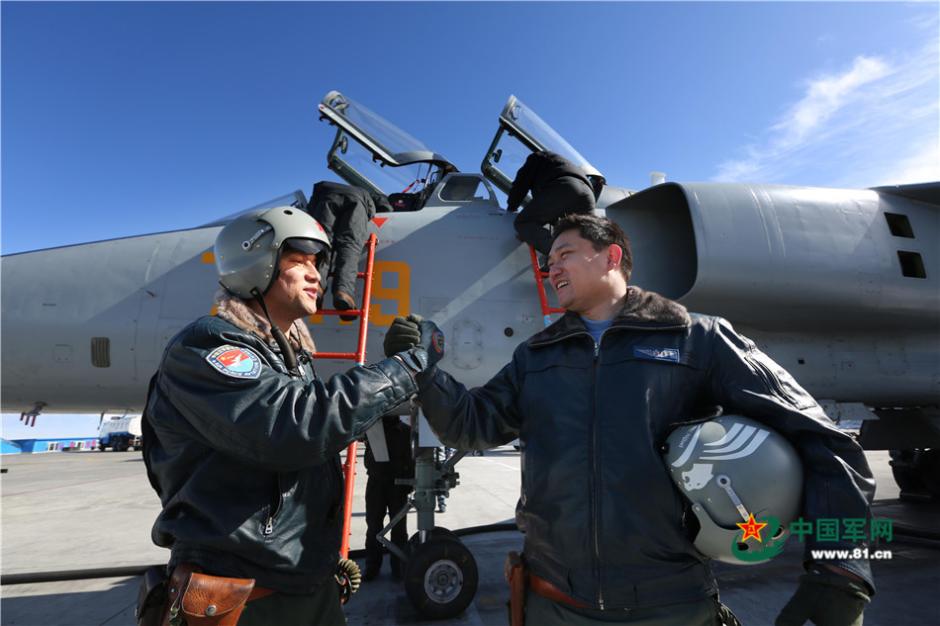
[{"x": 290, "y": 359}]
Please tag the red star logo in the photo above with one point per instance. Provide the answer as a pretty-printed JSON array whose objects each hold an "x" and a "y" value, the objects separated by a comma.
[{"x": 751, "y": 528}]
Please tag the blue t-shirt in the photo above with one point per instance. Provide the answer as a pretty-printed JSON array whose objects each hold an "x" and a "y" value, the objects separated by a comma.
[{"x": 596, "y": 328}]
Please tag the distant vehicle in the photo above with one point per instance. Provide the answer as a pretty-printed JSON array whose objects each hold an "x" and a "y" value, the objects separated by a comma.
[{"x": 120, "y": 433}]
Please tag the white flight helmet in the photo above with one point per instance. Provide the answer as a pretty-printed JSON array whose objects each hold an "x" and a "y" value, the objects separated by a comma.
[
  {"x": 248, "y": 248},
  {"x": 730, "y": 468}
]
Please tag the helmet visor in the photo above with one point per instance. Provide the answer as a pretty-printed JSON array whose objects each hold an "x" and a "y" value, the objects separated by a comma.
[{"x": 305, "y": 246}]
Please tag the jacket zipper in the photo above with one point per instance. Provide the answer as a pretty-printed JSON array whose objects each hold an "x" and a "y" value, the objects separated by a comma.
[
  {"x": 596, "y": 476},
  {"x": 272, "y": 512}
]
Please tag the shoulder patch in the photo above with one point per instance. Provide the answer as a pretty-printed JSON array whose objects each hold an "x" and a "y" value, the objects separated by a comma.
[
  {"x": 657, "y": 354},
  {"x": 235, "y": 362}
]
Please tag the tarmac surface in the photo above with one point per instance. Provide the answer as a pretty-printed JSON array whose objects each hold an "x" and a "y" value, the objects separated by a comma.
[{"x": 70, "y": 511}]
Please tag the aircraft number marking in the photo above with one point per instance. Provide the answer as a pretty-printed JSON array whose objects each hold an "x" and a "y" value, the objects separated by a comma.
[{"x": 387, "y": 302}]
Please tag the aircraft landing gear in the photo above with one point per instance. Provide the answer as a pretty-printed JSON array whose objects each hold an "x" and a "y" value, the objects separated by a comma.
[
  {"x": 917, "y": 473},
  {"x": 441, "y": 577},
  {"x": 440, "y": 573}
]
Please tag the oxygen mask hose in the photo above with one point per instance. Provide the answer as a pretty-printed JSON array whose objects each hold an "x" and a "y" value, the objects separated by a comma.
[{"x": 290, "y": 359}]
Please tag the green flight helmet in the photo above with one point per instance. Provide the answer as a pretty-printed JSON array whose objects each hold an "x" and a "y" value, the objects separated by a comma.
[
  {"x": 730, "y": 468},
  {"x": 247, "y": 248}
]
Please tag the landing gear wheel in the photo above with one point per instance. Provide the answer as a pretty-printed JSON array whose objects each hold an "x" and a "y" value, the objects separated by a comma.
[
  {"x": 437, "y": 533},
  {"x": 930, "y": 472},
  {"x": 917, "y": 473},
  {"x": 905, "y": 474},
  {"x": 441, "y": 578}
]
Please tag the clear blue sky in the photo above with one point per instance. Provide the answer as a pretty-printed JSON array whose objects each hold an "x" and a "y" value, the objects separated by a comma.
[
  {"x": 125, "y": 118},
  {"x": 119, "y": 119}
]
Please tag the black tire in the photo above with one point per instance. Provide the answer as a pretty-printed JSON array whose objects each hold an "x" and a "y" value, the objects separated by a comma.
[
  {"x": 928, "y": 469},
  {"x": 904, "y": 469},
  {"x": 101, "y": 447},
  {"x": 120, "y": 445},
  {"x": 441, "y": 578},
  {"x": 438, "y": 532}
]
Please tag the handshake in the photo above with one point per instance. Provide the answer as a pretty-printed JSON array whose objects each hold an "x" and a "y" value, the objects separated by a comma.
[{"x": 420, "y": 339}]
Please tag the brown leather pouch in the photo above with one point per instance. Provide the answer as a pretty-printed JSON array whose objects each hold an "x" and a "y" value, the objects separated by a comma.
[
  {"x": 517, "y": 588},
  {"x": 198, "y": 599}
]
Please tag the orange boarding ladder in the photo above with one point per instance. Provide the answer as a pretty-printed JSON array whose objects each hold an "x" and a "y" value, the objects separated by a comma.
[
  {"x": 540, "y": 276},
  {"x": 359, "y": 356}
]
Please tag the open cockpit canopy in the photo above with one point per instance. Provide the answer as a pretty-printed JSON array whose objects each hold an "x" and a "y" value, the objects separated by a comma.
[
  {"x": 370, "y": 152},
  {"x": 521, "y": 132}
]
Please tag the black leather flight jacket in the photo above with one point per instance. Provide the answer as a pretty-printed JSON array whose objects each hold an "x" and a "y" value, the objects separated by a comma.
[
  {"x": 247, "y": 469},
  {"x": 602, "y": 518}
]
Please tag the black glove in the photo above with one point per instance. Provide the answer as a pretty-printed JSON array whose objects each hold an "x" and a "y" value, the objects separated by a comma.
[
  {"x": 432, "y": 339},
  {"x": 826, "y": 598},
  {"x": 403, "y": 334},
  {"x": 347, "y": 578},
  {"x": 415, "y": 332}
]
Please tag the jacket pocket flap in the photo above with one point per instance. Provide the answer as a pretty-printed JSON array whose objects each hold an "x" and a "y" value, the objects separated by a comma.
[{"x": 214, "y": 595}]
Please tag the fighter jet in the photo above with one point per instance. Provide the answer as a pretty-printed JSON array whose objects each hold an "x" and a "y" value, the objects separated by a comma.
[{"x": 839, "y": 286}]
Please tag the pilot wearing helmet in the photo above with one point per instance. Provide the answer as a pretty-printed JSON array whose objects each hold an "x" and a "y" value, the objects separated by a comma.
[
  {"x": 594, "y": 398},
  {"x": 241, "y": 438}
]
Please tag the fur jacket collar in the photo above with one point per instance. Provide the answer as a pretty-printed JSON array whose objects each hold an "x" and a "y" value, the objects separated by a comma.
[
  {"x": 236, "y": 311},
  {"x": 643, "y": 309}
]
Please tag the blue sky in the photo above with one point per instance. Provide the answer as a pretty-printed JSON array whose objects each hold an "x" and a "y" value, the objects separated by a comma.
[{"x": 125, "y": 118}]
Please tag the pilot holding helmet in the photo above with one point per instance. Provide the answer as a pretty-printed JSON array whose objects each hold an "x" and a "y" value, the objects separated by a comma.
[
  {"x": 594, "y": 398},
  {"x": 242, "y": 439}
]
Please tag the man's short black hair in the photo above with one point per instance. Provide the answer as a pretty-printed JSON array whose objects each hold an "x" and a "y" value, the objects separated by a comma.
[{"x": 601, "y": 232}]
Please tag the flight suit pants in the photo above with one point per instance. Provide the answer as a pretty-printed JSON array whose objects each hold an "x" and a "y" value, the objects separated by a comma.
[
  {"x": 344, "y": 212},
  {"x": 384, "y": 496},
  {"x": 321, "y": 608},
  {"x": 556, "y": 199}
]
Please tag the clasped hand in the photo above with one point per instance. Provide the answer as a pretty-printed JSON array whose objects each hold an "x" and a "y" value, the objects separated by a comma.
[{"x": 407, "y": 333}]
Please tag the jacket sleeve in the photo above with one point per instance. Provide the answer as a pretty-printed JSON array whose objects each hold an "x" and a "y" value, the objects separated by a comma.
[
  {"x": 522, "y": 183},
  {"x": 838, "y": 483},
  {"x": 277, "y": 421},
  {"x": 474, "y": 419}
]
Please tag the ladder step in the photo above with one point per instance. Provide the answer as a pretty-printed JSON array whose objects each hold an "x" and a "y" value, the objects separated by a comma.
[
  {"x": 335, "y": 355},
  {"x": 356, "y": 312}
]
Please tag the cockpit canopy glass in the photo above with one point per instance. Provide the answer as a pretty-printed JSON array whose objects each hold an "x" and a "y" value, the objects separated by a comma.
[
  {"x": 370, "y": 152},
  {"x": 387, "y": 135},
  {"x": 547, "y": 138},
  {"x": 386, "y": 141},
  {"x": 521, "y": 132},
  {"x": 356, "y": 165}
]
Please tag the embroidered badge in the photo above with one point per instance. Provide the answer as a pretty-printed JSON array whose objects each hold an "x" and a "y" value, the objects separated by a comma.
[
  {"x": 235, "y": 362},
  {"x": 657, "y": 354},
  {"x": 437, "y": 340}
]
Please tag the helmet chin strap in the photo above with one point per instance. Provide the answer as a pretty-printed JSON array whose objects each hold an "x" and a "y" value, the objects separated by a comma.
[{"x": 290, "y": 359}]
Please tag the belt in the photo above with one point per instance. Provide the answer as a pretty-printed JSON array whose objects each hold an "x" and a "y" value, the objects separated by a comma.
[
  {"x": 550, "y": 592},
  {"x": 259, "y": 592}
]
